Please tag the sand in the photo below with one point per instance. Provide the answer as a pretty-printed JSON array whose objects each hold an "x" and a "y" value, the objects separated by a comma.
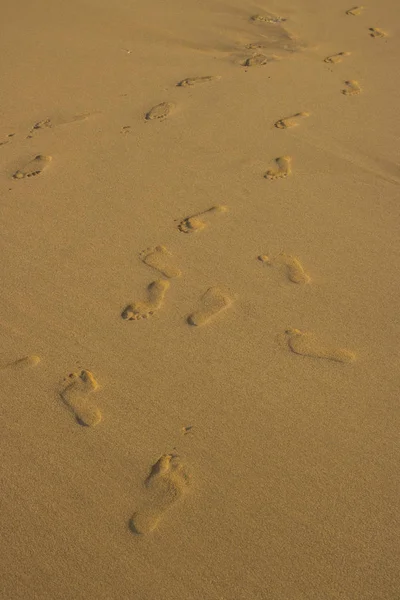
[{"x": 199, "y": 305}]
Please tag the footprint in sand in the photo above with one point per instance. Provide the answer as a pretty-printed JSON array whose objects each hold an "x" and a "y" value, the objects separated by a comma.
[
  {"x": 23, "y": 363},
  {"x": 292, "y": 121},
  {"x": 213, "y": 302},
  {"x": 75, "y": 396},
  {"x": 259, "y": 60},
  {"x": 165, "y": 486},
  {"x": 143, "y": 310},
  {"x": 355, "y": 11},
  {"x": 293, "y": 266},
  {"x": 306, "y": 344},
  {"x": 34, "y": 167},
  {"x": 159, "y": 258},
  {"x": 267, "y": 19},
  {"x": 377, "y": 33},
  {"x": 160, "y": 112},
  {"x": 336, "y": 58},
  {"x": 200, "y": 220},
  {"x": 191, "y": 81},
  {"x": 352, "y": 88},
  {"x": 56, "y": 122},
  {"x": 283, "y": 168}
]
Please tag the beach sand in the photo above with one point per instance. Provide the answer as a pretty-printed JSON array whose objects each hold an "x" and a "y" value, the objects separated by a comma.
[{"x": 199, "y": 307}]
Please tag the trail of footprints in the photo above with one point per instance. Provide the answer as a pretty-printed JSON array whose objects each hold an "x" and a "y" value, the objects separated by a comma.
[{"x": 168, "y": 481}]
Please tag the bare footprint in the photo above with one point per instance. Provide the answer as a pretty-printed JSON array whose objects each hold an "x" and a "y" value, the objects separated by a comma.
[
  {"x": 268, "y": 19},
  {"x": 75, "y": 396},
  {"x": 165, "y": 485},
  {"x": 283, "y": 168},
  {"x": 161, "y": 111},
  {"x": 293, "y": 266},
  {"x": 291, "y": 121},
  {"x": 352, "y": 88},
  {"x": 336, "y": 58},
  {"x": 159, "y": 258},
  {"x": 191, "y": 81},
  {"x": 306, "y": 344},
  {"x": 199, "y": 221},
  {"x": 355, "y": 11},
  {"x": 34, "y": 167},
  {"x": 213, "y": 302},
  {"x": 23, "y": 363},
  {"x": 143, "y": 310},
  {"x": 258, "y": 60},
  {"x": 377, "y": 33}
]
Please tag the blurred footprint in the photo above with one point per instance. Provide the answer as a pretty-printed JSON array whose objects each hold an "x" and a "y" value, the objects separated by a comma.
[
  {"x": 293, "y": 266},
  {"x": 353, "y": 88},
  {"x": 142, "y": 310},
  {"x": 292, "y": 121},
  {"x": 159, "y": 258},
  {"x": 75, "y": 397},
  {"x": 200, "y": 220},
  {"x": 213, "y": 302},
  {"x": 22, "y": 363},
  {"x": 306, "y": 344},
  {"x": 355, "y": 11},
  {"x": 191, "y": 81},
  {"x": 336, "y": 58},
  {"x": 283, "y": 168},
  {"x": 377, "y": 33}
]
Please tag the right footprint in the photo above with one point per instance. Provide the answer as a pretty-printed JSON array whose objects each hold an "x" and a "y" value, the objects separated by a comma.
[
  {"x": 293, "y": 266},
  {"x": 336, "y": 58},
  {"x": 160, "y": 112},
  {"x": 355, "y": 11},
  {"x": 159, "y": 258},
  {"x": 34, "y": 167},
  {"x": 213, "y": 302},
  {"x": 375, "y": 32},
  {"x": 166, "y": 484},
  {"x": 191, "y": 81},
  {"x": 283, "y": 168},
  {"x": 142, "y": 310},
  {"x": 306, "y": 344},
  {"x": 292, "y": 121},
  {"x": 352, "y": 88},
  {"x": 75, "y": 396},
  {"x": 200, "y": 220}
]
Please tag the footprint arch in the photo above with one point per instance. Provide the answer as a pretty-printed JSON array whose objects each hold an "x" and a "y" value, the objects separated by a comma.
[{"x": 307, "y": 344}]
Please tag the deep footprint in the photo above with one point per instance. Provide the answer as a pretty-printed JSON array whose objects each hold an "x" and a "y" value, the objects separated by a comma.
[
  {"x": 200, "y": 220},
  {"x": 161, "y": 111},
  {"x": 165, "y": 486},
  {"x": 293, "y": 266},
  {"x": 283, "y": 168},
  {"x": 352, "y": 88},
  {"x": 214, "y": 301},
  {"x": 34, "y": 167},
  {"x": 191, "y": 81},
  {"x": 292, "y": 121},
  {"x": 306, "y": 344},
  {"x": 143, "y": 310},
  {"x": 336, "y": 58},
  {"x": 159, "y": 258},
  {"x": 75, "y": 396}
]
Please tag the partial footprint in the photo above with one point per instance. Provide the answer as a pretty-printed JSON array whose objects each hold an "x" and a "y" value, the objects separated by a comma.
[
  {"x": 377, "y": 33},
  {"x": 75, "y": 396},
  {"x": 355, "y": 11},
  {"x": 258, "y": 60},
  {"x": 352, "y": 88},
  {"x": 159, "y": 258},
  {"x": 306, "y": 344},
  {"x": 56, "y": 122},
  {"x": 293, "y": 266},
  {"x": 213, "y": 302},
  {"x": 34, "y": 167},
  {"x": 191, "y": 81},
  {"x": 23, "y": 363},
  {"x": 200, "y": 220},
  {"x": 161, "y": 111},
  {"x": 283, "y": 168},
  {"x": 166, "y": 484},
  {"x": 143, "y": 310},
  {"x": 292, "y": 121},
  {"x": 268, "y": 19},
  {"x": 336, "y": 58}
]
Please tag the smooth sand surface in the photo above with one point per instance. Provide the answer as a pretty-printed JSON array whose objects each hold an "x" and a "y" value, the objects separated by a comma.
[{"x": 156, "y": 446}]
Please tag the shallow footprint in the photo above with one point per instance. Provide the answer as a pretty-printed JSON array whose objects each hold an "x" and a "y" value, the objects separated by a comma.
[
  {"x": 355, "y": 11},
  {"x": 353, "y": 88},
  {"x": 165, "y": 485},
  {"x": 142, "y": 310},
  {"x": 34, "y": 167},
  {"x": 283, "y": 168},
  {"x": 191, "y": 81},
  {"x": 23, "y": 363},
  {"x": 306, "y": 344},
  {"x": 158, "y": 258},
  {"x": 268, "y": 19},
  {"x": 75, "y": 396},
  {"x": 375, "y": 32},
  {"x": 258, "y": 60},
  {"x": 294, "y": 268},
  {"x": 213, "y": 302},
  {"x": 161, "y": 111},
  {"x": 291, "y": 121},
  {"x": 336, "y": 58},
  {"x": 200, "y": 220}
]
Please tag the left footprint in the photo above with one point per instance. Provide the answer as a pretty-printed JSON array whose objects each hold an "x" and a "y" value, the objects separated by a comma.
[
  {"x": 23, "y": 363},
  {"x": 292, "y": 121},
  {"x": 294, "y": 268},
  {"x": 352, "y": 88},
  {"x": 143, "y": 310},
  {"x": 160, "y": 111},
  {"x": 34, "y": 167},
  {"x": 159, "y": 258},
  {"x": 306, "y": 344},
  {"x": 76, "y": 397},
  {"x": 213, "y": 302},
  {"x": 283, "y": 168}
]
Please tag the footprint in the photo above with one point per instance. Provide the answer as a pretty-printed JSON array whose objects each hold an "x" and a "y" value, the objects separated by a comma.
[
  {"x": 196, "y": 222},
  {"x": 142, "y": 310},
  {"x": 294, "y": 268},
  {"x": 213, "y": 302},
  {"x": 191, "y": 81},
  {"x": 352, "y": 89},
  {"x": 283, "y": 168},
  {"x": 306, "y": 344},
  {"x": 258, "y": 60},
  {"x": 375, "y": 32},
  {"x": 56, "y": 122},
  {"x": 23, "y": 363},
  {"x": 9, "y": 135},
  {"x": 165, "y": 485},
  {"x": 158, "y": 258},
  {"x": 75, "y": 396},
  {"x": 161, "y": 111},
  {"x": 355, "y": 11},
  {"x": 290, "y": 121},
  {"x": 268, "y": 19},
  {"x": 336, "y": 58},
  {"x": 34, "y": 167}
]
